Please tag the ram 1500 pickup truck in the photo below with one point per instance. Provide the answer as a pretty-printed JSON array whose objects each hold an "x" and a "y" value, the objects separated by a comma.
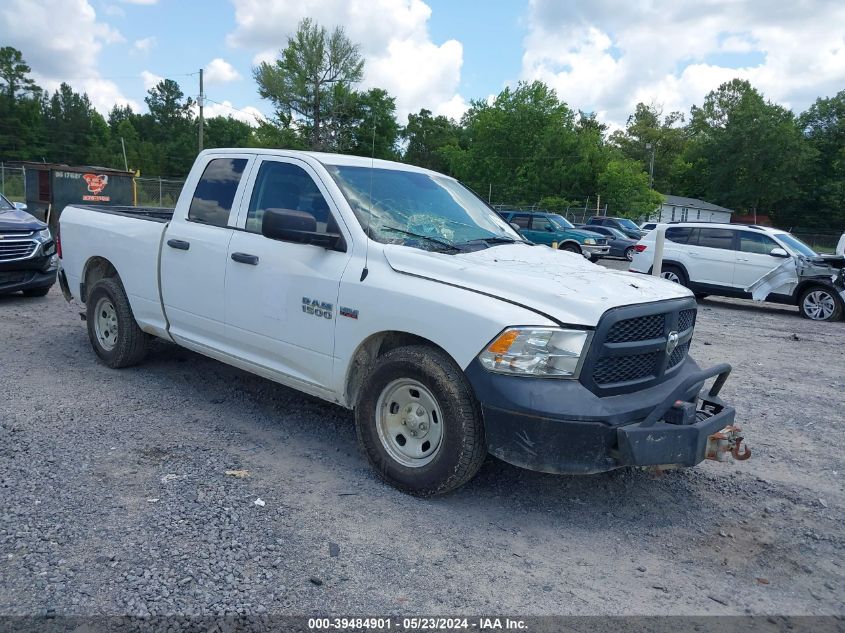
[{"x": 397, "y": 292}]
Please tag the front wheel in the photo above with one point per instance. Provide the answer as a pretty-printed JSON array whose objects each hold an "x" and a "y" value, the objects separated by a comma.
[
  {"x": 569, "y": 246},
  {"x": 594, "y": 258},
  {"x": 820, "y": 304},
  {"x": 418, "y": 422}
]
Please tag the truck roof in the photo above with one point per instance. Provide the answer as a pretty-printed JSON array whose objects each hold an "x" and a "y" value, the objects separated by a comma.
[{"x": 326, "y": 158}]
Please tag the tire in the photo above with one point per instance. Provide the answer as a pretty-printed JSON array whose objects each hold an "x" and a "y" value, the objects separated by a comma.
[
  {"x": 37, "y": 292},
  {"x": 128, "y": 345},
  {"x": 569, "y": 246},
  {"x": 674, "y": 273},
  {"x": 819, "y": 303},
  {"x": 629, "y": 253},
  {"x": 443, "y": 411},
  {"x": 594, "y": 258}
]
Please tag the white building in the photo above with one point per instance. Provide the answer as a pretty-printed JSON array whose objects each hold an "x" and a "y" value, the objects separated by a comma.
[{"x": 680, "y": 209}]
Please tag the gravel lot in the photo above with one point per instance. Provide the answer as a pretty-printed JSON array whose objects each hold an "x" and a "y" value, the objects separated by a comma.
[{"x": 115, "y": 501}]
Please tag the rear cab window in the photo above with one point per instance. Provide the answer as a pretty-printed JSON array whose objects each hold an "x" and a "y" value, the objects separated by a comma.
[{"x": 215, "y": 192}]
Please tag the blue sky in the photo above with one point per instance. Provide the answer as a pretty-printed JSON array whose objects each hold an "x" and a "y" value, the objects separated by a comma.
[{"x": 600, "y": 55}]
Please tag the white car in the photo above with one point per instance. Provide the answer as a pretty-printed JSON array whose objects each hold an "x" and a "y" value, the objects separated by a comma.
[
  {"x": 728, "y": 259},
  {"x": 397, "y": 292}
]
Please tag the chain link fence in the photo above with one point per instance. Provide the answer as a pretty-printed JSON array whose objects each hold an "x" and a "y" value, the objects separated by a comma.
[
  {"x": 819, "y": 242},
  {"x": 157, "y": 192},
  {"x": 12, "y": 183}
]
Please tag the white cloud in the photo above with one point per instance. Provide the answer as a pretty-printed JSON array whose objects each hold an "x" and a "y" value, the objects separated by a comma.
[
  {"x": 605, "y": 56},
  {"x": 248, "y": 114},
  {"x": 144, "y": 45},
  {"x": 220, "y": 71},
  {"x": 393, "y": 34},
  {"x": 151, "y": 80},
  {"x": 144, "y": 2},
  {"x": 114, "y": 10},
  {"x": 61, "y": 41}
]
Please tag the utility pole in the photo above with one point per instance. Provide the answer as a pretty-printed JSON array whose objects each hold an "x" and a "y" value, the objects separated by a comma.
[
  {"x": 650, "y": 166},
  {"x": 123, "y": 145},
  {"x": 200, "y": 103}
]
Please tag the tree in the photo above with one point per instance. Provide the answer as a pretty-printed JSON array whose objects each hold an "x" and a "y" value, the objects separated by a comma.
[
  {"x": 76, "y": 132},
  {"x": 312, "y": 70},
  {"x": 14, "y": 75},
  {"x": 371, "y": 128},
  {"x": 747, "y": 153},
  {"x": 226, "y": 132},
  {"x": 172, "y": 127},
  {"x": 426, "y": 138},
  {"x": 624, "y": 187},
  {"x": 648, "y": 131},
  {"x": 823, "y": 126}
]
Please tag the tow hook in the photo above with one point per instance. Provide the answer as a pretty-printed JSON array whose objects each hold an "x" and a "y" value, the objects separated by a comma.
[{"x": 727, "y": 441}]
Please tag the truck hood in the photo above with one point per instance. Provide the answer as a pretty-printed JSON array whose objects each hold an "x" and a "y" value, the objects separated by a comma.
[
  {"x": 17, "y": 220},
  {"x": 562, "y": 285},
  {"x": 584, "y": 233}
]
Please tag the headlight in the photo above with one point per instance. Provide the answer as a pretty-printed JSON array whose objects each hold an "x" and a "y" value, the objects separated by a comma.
[
  {"x": 526, "y": 351},
  {"x": 590, "y": 241},
  {"x": 44, "y": 236}
]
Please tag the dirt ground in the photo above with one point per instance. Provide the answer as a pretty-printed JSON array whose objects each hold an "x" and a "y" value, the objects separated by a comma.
[{"x": 114, "y": 497}]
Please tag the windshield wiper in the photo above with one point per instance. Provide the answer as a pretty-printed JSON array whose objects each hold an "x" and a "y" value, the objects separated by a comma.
[
  {"x": 490, "y": 241},
  {"x": 432, "y": 240}
]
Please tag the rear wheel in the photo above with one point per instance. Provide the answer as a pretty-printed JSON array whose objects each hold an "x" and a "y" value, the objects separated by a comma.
[
  {"x": 629, "y": 253},
  {"x": 115, "y": 336},
  {"x": 674, "y": 274},
  {"x": 820, "y": 304},
  {"x": 418, "y": 421}
]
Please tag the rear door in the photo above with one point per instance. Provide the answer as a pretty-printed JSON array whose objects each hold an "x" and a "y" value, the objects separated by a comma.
[
  {"x": 711, "y": 256},
  {"x": 753, "y": 259},
  {"x": 193, "y": 255},
  {"x": 281, "y": 297}
]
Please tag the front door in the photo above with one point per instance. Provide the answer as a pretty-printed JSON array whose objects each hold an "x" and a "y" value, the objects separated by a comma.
[
  {"x": 281, "y": 297},
  {"x": 753, "y": 259}
]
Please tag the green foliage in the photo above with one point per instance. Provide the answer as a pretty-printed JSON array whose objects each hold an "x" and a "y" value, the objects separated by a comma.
[
  {"x": 524, "y": 147},
  {"x": 624, "y": 188}
]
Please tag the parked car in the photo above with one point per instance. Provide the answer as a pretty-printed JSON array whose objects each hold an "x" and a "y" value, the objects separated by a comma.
[
  {"x": 728, "y": 259},
  {"x": 551, "y": 229},
  {"x": 647, "y": 227},
  {"x": 620, "y": 244},
  {"x": 395, "y": 291},
  {"x": 28, "y": 259},
  {"x": 628, "y": 227}
]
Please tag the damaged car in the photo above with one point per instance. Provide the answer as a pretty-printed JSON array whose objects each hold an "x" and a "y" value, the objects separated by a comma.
[{"x": 748, "y": 262}]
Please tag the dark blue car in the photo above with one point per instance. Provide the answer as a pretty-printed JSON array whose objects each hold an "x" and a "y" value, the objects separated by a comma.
[
  {"x": 620, "y": 244},
  {"x": 28, "y": 259}
]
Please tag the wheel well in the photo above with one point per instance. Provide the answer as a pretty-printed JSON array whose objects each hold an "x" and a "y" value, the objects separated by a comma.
[
  {"x": 802, "y": 287},
  {"x": 371, "y": 349},
  {"x": 96, "y": 268},
  {"x": 563, "y": 243}
]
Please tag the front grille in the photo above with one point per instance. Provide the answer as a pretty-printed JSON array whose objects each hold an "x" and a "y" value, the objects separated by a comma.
[
  {"x": 16, "y": 249},
  {"x": 624, "y": 368},
  {"x": 679, "y": 354},
  {"x": 639, "y": 329},
  {"x": 628, "y": 351},
  {"x": 686, "y": 320}
]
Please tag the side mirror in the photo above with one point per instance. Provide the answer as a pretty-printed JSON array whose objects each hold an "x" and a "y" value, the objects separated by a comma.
[
  {"x": 287, "y": 225},
  {"x": 778, "y": 252},
  {"x": 550, "y": 228},
  {"x": 21, "y": 206}
]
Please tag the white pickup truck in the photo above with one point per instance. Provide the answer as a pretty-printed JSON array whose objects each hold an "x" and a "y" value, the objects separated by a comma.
[{"x": 397, "y": 292}]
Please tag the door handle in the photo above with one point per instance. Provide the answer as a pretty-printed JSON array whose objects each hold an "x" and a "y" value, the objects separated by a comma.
[
  {"x": 182, "y": 245},
  {"x": 245, "y": 258}
]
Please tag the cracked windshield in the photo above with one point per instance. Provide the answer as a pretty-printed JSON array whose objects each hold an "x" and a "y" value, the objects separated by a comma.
[{"x": 424, "y": 211}]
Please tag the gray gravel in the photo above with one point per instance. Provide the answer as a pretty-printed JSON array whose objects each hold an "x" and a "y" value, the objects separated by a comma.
[{"x": 115, "y": 498}]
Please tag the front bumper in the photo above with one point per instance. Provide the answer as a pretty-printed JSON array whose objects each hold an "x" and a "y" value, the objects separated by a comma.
[
  {"x": 559, "y": 426},
  {"x": 597, "y": 250},
  {"x": 28, "y": 274}
]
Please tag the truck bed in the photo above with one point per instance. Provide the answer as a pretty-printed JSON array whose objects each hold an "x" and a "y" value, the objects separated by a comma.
[{"x": 154, "y": 214}]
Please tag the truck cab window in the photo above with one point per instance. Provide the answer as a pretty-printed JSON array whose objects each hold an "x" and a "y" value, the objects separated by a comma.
[
  {"x": 215, "y": 193},
  {"x": 286, "y": 186}
]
